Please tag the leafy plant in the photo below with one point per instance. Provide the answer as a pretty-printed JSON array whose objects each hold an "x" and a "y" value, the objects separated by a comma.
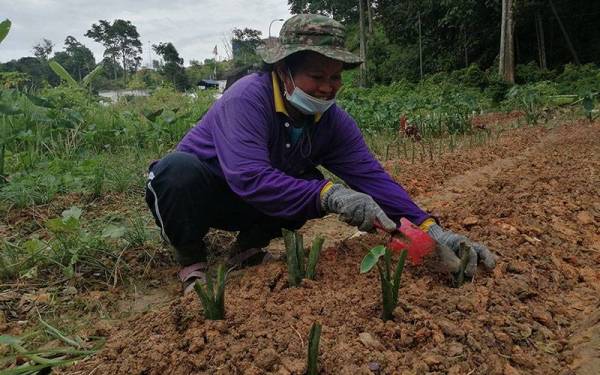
[
  {"x": 390, "y": 283},
  {"x": 4, "y": 28},
  {"x": 212, "y": 294},
  {"x": 588, "y": 105},
  {"x": 64, "y": 75},
  {"x": 313, "y": 349},
  {"x": 298, "y": 266}
]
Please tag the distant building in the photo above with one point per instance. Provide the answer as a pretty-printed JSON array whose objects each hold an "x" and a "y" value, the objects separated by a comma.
[{"x": 204, "y": 84}]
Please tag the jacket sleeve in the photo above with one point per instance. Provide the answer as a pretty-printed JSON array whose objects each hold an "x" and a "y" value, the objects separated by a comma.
[
  {"x": 241, "y": 142},
  {"x": 351, "y": 160}
]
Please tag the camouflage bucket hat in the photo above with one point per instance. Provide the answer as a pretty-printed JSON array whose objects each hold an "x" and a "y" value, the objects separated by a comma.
[{"x": 310, "y": 32}]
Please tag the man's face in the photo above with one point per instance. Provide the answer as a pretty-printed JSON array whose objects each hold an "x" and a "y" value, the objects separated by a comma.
[{"x": 318, "y": 76}]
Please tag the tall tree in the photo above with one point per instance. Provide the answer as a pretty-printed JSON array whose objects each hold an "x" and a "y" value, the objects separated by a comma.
[
  {"x": 507, "y": 43},
  {"x": 122, "y": 43},
  {"x": 341, "y": 10},
  {"x": 243, "y": 45},
  {"x": 43, "y": 49},
  {"x": 76, "y": 58},
  {"x": 173, "y": 65}
]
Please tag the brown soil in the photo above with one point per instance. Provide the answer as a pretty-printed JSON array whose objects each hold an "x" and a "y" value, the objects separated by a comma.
[{"x": 533, "y": 197}]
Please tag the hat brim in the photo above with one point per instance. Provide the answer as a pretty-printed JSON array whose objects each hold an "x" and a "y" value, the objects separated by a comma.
[{"x": 277, "y": 52}]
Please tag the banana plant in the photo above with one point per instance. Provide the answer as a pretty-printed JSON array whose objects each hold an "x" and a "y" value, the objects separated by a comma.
[
  {"x": 298, "y": 266},
  {"x": 390, "y": 283},
  {"x": 4, "y": 28},
  {"x": 86, "y": 82},
  {"x": 212, "y": 296}
]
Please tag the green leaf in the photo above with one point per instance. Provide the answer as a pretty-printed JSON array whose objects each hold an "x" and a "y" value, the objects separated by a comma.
[
  {"x": 370, "y": 260},
  {"x": 313, "y": 257},
  {"x": 10, "y": 340},
  {"x": 398, "y": 274},
  {"x": 74, "y": 212},
  {"x": 588, "y": 103},
  {"x": 33, "y": 245},
  {"x": 151, "y": 116},
  {"x": 314, "y": 338},
  {"x": 62, "y": 73},
  {"x": 89, "y": 78},
  {"x": 114, "y": 232},
  {"x": 4, "y": 28}
]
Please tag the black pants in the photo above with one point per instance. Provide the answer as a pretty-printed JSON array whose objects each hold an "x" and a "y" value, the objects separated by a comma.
[{"x": 187, "y": 199}]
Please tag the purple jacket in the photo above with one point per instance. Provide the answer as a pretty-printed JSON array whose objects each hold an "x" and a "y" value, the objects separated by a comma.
[{"x": 245, "y": 137}]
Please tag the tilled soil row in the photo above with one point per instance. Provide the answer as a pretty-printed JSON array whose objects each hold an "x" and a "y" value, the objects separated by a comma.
[{"x": 539, "y": 212}]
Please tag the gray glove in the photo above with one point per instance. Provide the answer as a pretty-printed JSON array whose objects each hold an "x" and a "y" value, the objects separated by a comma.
[
  {"x": 447, "y": 239},
  {"x": 355, "y": 208}
]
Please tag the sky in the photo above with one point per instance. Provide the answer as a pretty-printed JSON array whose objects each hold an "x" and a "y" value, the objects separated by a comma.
[{"x": 193, "y": 26}]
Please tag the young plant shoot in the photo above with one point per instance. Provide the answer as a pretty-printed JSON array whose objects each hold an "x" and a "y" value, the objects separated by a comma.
[
  {"x": 465, "y": 256},
  {"x": 212, "y": 296},
  {"x": 298, "y": 266},
  {"x": 313, "y": 350},
  {"x": 389, "y": 283}
]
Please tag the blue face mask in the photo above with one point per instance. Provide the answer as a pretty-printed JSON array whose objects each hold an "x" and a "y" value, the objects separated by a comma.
[{"x": 307, "y": 104}]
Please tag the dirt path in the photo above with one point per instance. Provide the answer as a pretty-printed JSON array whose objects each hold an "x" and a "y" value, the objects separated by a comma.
[{"x": 536, "y": 206}]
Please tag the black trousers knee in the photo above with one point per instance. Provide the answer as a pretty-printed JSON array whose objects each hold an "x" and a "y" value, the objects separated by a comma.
[{"x": 187, "y": 199}]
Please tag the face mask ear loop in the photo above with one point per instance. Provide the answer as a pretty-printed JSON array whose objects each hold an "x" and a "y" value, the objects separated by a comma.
[{"x": 293, "y": 83}]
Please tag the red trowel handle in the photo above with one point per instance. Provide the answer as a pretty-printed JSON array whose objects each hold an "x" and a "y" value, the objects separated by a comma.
[{"x": 410, "y": 237}]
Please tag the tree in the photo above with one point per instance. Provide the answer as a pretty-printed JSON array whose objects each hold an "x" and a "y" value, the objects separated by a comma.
[
  {"x": 43, "y": 49},
  {"x": 173, "y": 65},
  {"x": 507, "y": 49},
  {"x": 243, "y": 44},
  {"x": 345, "y": 11},
  {"x": 122, "y": 43},
  {"x": 76, "y": 58}
]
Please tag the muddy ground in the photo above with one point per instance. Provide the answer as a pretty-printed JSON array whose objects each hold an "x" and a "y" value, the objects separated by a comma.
[{"x": 533, "y": 196}]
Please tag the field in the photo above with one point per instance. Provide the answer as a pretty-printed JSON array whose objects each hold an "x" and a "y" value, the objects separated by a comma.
[{"x": 530, "y": 193}]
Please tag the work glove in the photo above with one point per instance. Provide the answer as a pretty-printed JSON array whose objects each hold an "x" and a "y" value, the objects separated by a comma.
[
  {"x": 355, "y": 208},
  {"x": 447, "y": 239}
]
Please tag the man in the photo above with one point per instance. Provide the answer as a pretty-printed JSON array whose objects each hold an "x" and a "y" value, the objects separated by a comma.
[{"x": 250, "y": 164}]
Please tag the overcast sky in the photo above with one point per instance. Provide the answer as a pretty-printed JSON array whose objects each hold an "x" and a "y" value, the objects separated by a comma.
[{"x": 193, "y": 26}]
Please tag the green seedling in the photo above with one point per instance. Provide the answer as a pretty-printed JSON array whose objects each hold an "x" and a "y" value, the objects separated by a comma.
[
  {"x": 313, "y": 349},
  {"x": 212, "y": 296},
  {"x": 298, "y": 266},
  {"x": 389, "y": 283},
  {"x": 464, "y": 254}
]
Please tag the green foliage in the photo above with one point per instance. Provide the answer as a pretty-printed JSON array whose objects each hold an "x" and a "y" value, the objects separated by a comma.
[
  {"x": 212, "y": 294},
  {"x": 70, "y": 248},
  {"x": 532, "y": 99},
  {"x": 312, "y": 362},
  {"x": 173, "y": 65},
  {"x": 390, "y": 283},
  {"x": 121, "y": 40},
  {"x": 588, "y": 103},
  {"x": 579, "y": 80},
  {"x": 4, "y": 29},
  {"x": 434, "y": 108},
  {"x": 298, "y": 266},
  {"x": 530, "y": 73},
  {"x": 244, "y": 44},
  {"x": 43, "y": 360},
  {"x": 62, "y": 73}
]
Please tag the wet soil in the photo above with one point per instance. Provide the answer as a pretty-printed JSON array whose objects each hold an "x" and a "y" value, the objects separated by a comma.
[{"x": 533, "y": 197}]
